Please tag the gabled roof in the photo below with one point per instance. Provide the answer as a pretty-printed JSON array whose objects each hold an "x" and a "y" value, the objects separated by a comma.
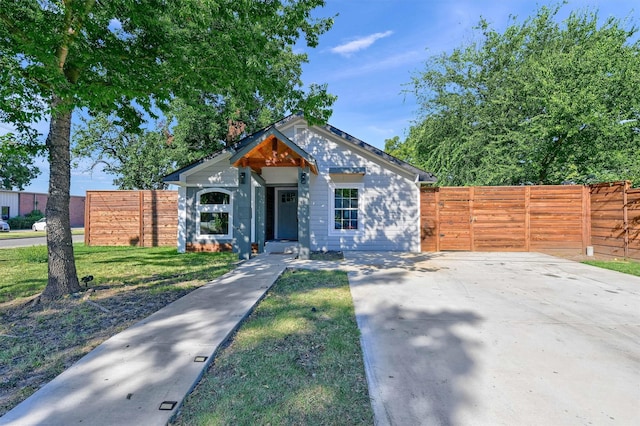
[
  {"x": 256, "y": 146},
  {"x": 175, "y": 176},
  {"x": 423, "y": 176},
  {"x": 270, "y": 148}
]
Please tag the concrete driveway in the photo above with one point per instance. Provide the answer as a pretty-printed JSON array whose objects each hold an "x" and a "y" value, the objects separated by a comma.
[{"x": 497, "y": 339}]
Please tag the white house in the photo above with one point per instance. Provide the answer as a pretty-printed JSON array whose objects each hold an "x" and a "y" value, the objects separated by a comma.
[{"x": 314, "y": 185}]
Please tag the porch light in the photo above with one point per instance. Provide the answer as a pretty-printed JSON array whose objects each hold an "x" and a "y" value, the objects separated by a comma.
[
  {"x": 303, "y": 178},
  {"x": 243, "y": 177}
]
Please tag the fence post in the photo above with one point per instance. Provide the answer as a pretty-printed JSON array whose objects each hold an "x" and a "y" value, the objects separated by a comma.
[
  {"x": 437, "y": 213},
  {"x": 527, "y": 218},
  {"x": 141, "y": 218},
  {"x": 472, "y": 235},
  {"x": 87, "y": 219},
  {"x": 625, "y": 217},
  {"x": 586, "y": 218}
]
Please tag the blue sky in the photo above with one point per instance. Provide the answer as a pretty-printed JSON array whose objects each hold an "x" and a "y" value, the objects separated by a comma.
[{"x": 374, "y": 48}]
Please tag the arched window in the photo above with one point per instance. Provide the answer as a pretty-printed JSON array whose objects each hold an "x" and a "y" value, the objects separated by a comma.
[{"x": 215, "y": 213}]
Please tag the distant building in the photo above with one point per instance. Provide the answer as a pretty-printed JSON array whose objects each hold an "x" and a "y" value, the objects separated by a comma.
[{"x": 14, "y": 203}]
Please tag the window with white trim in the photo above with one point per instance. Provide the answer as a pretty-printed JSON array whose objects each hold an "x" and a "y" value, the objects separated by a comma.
[
  {"x": 346, "y": 208},
  {"x": 215, "y": 213}
]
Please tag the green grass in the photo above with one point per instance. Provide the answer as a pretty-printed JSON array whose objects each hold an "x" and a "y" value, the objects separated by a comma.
[
  {"x": 23, "y": 271},
  {"x": 27, "y": 233},
  {"x": 296, "y": 360},
  {"x": 626, "y": 266}
]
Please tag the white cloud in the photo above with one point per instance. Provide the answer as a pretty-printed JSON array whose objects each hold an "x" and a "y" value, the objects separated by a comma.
[
  {"x": 397, "y": 60},
  {"x": 353, "y": 46}
]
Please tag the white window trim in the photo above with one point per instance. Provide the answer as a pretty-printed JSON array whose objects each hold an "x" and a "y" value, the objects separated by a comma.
[
  {"x": 332, "y": 205},
  {"x": 214, "y": 208}
]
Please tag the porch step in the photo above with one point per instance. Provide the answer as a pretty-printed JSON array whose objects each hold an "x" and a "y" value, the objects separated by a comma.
[{"x": 287, "y": 247}]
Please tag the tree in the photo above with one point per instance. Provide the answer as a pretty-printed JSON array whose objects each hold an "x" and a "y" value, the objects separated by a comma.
[
  {"x": 124, "y": 57},
  {"x": 16, "y": 163},
  {"x": 543, "y": 102},
  {"x": 137, "y": 160},
  {"x": 140, "y": 159},
  {"x": 204, "y": 125}
]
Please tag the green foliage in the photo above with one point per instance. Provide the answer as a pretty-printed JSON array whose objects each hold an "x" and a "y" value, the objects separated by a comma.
[
  {"x": 16, "y": 163},
  {"x": 137, "y": 160},
  {"x": 26, "y": 221},
  {"x": 126, "y": 58},
  {"x": 204, "y": 125},
  {"x": 542, "y": 102},
  {"x": 122, "y": 56}
]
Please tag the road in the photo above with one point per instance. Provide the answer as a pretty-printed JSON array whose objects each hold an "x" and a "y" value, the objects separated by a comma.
[{"x": 33, "y": 241}]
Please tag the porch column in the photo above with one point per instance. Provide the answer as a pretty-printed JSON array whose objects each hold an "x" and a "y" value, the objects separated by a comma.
[
  {"x": 182, "y": 219},
  {"x": 304, "y": 237},
  {"x": 260, "y": 212},
  {"x": 242, "y": 228}
]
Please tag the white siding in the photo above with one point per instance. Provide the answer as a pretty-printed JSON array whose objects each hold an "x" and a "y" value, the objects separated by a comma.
[
  {"x": 11, "y": 200},
  {"x": 280, "y": 175},
  {"x": 214, "y": 175},
  {"x": 391, "y": 215}
]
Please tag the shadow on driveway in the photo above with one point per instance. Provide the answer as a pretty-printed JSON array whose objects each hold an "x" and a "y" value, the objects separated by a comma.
[{"x": 497, "y": 338}]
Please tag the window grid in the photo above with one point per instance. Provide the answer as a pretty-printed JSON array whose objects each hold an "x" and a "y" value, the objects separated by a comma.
[
  {"x": 346, "y": 208},
  {"x": 214, "y": 214}
]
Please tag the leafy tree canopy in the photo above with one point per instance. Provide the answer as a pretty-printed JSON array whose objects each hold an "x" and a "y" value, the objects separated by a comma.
[
  {"x": 136, "y": 160},
  {"x": 16, "y": 163},
  {"x": 122, "y": 57},
  {"x": 540, "y": 103}
]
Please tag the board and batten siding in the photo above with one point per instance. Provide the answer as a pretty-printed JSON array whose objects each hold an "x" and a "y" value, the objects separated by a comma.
[{"x": 391, "y": 216}]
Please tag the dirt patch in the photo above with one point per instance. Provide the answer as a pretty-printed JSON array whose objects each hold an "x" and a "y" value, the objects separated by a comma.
[{"x": 38, "y": 342}]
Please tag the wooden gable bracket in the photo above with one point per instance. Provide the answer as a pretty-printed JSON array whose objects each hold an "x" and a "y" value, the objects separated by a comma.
[{"x": 272, "y": 152}]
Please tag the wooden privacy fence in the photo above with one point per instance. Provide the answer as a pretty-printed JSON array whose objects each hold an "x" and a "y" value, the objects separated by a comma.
[
  {"x": 615, "y": 220},
  {"x": 135, "y": 218},
  {"x": 551, "y": 219}
]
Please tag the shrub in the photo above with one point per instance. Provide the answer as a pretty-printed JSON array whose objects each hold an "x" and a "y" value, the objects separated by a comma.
[{"x": 26, "y": 221}]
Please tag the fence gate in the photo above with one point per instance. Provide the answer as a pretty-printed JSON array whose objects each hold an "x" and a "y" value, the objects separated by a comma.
[{"x": 554, "y": 219}]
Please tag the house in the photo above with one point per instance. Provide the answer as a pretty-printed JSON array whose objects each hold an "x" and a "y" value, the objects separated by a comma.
[{"x": 314, "y": 185}]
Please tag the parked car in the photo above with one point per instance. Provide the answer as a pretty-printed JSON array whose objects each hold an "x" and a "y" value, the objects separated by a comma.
[
  {"x": 4, "y": 226},
  {"x": 40, "y": 225}
]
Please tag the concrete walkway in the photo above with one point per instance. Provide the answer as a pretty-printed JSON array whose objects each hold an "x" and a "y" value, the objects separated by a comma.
[{"x": 140, "y": 376}]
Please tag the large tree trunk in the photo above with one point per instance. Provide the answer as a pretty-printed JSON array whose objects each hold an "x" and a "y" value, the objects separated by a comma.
[{"x": 63, "y": 278}]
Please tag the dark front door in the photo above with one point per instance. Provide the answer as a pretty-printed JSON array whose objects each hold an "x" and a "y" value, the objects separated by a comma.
[{"x": 287, "y": 214}]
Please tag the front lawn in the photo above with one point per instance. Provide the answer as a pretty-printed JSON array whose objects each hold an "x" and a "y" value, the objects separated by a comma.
[
  {"x": 28, "y": 233},
  {"x": 38, "y": 342},
  {"x": 296, "y": 361},
  {"x": 23, "y": 271}
]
